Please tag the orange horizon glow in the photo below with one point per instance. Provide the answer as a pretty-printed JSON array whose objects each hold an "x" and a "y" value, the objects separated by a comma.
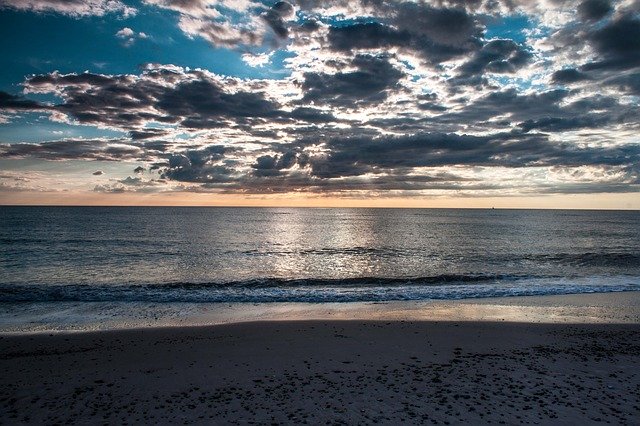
[{"x": 604, "y": 201}]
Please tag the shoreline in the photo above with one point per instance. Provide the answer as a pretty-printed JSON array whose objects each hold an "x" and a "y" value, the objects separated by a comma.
[
  {"x": 56, "y": 317},
  {"x": 342, "y": 369}
]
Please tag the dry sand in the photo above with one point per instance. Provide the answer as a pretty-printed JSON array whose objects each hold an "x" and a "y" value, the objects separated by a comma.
[{"x": 339, "y": 371}]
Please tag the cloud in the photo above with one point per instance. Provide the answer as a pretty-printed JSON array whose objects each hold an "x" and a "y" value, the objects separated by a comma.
[
  {"x": 617, "y": 44},
  {"x": 626, "y": 83},
  {"x": 370, "y": 81},
  {"x": 497, "y": 56},
  {"x": 131, "y": 184},
  {"x": 271, "y": 165},
  {"x": 557, "y": 124},
  {"x": 313, "y": 115},
  {"x": 126, "y": 32},
  {"x": 594, "y": 10},
  {"x": 224, "y": 23},
  {"x": 401, "y": 96},
  {"x": 220, "y": 34},
  {"x": 373, "y": 35},
  {"x": 73, "y": 149},
  {"x": 595, "y": 55},
  {"x": 408, "y": 163},
  {"x": 435, "y": 34},
  {"x": 197, "y": 99},
  {"x": 568, "y": 76},
  {"x": 367, "y": 35},
  {"x": 14, "y": 103},
  {"x": 259, "y": 60},
  {"x": 188, "y": 7},
  {"x": 73, "y": 8},
  {"x": 199, "y": 165},
  {"x": 276, "y": 16},
  {"x": 357, "y": 155},
  {"x": 129, "y": 36},
  {"x": 205, "y": 103},
  {"x": 193, "y": 99},
  {"x": 202, "y": 8},
  {"x": 147, "y": 133}
]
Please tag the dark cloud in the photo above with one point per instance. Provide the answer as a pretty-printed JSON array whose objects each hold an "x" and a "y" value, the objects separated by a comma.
[
  {"x": 509, "y": 110},
  {"x": 519, "y": 107},
  {"x": 621, "y": 36},
  {"x": 435, "y": 34},
  {"x": 198, "y": 165},
  {"x": 73, "y": 149},
  {"x": 192, "y": 99},
  {"x": 302, "y": 183},
  {"x": 147, "y": 133},
  {"x": 370, "y": 82},
  {"x": 15, "y": 103},
  {"x": 74, "y": 80},
  {"x": 120, "y": 101},
  {"x": 557, "y": 124},
  {"x": 617, "y": 44},
  {"x": 430, "y": 106},
  {"x": 497, "y": 56},
  {"x": 312, "y": 115},
  {"x": 594, "y": 10},
  {"x": 271, "y": 165},
  {"x": 308, "y": 26},
  {"x": 453, "y": 27},
  {"x": 276, "y": 16},
  {"x": 390, "y": 162},
  {"x": 356, "y": 156},
  {"x": 629, "y": 83},
  {"x": 156, "y": 147},
  {"x": 568, "y": 76},
  {"x": 367, "y": 35},
  {"x": 204, "y": 104}
]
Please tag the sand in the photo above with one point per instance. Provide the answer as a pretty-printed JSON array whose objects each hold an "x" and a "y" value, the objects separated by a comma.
[
  {"x": 339, "y": 371},
  {"x": 622, "y": 307}
]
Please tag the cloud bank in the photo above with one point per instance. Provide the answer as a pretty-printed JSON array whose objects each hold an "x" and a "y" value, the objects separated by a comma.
[{"x": 381, "y": 97}]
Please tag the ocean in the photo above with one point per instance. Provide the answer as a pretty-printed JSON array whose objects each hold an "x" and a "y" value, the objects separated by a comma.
[{"x": 261, "y": 255}]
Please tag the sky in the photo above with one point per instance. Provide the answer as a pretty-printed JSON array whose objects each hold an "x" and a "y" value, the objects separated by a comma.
[{"x": 441, "y": 103}]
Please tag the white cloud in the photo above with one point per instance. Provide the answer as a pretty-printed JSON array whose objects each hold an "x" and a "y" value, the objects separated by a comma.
[
  {"x": 125, "y": 32},
  {"x": 259, "y": 60},
  {"x": 74, "y": 8},
  {"x": 129, "y": 36}
]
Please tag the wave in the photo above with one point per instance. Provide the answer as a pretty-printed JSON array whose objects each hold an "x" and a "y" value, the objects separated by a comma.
[
  {"x": 621, "y": 259},
  {"x": 594, "y": 259},
  {"x": 370, "y": 289}
]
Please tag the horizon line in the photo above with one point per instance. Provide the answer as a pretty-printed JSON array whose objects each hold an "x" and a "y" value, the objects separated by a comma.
[{"x": 320, "y": 207}]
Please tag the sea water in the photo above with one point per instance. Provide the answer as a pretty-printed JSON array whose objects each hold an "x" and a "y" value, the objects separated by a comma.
[{"x": 210, "y": 255}]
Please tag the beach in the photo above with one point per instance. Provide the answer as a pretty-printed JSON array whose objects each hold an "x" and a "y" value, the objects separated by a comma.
[{"x": 469, "y": 366}]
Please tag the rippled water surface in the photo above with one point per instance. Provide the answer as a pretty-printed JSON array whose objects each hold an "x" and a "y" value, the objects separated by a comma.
[{"x": 260, "y": 255}]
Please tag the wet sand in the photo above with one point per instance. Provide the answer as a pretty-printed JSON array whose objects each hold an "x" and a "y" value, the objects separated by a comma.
[
  {"x": 620, "y": 307},
  {"x": 387, "y": 371}
]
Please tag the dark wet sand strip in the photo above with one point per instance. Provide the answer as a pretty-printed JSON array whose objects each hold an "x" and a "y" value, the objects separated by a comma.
[{"x": 318, "y": 372}]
